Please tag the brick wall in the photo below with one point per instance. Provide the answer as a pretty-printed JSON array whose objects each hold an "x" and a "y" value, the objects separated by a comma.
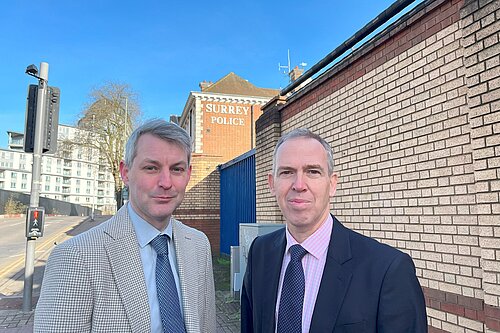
[
  {"x": 268, "y": 129},
  {"x": 228, "y": 127},
  {"x": 201, "y": 205},
  {"x": 481, "y": 27},
  {"x": 413, "y": 120}
]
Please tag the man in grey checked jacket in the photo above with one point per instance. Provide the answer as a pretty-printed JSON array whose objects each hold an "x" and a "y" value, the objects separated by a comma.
[{"x": 104, "y": 279}]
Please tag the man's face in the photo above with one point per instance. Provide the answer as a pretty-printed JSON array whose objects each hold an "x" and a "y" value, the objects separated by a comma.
[
  {"x": 157, "y": 179},
  {"x": 302, "y": 185}
]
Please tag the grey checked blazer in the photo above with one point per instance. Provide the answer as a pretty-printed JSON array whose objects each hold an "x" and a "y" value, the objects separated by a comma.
[{"x": 94, "y": 282}]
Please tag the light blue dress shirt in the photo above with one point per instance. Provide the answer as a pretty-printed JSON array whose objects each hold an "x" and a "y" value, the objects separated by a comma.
[{"x": 145, "y": 233}]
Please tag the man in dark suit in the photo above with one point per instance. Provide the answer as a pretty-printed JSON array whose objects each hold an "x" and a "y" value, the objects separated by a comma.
[{"x": 316, "y": 275}]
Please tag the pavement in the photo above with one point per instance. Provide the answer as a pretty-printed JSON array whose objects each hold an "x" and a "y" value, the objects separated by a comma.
[{"x": 14, "y": 320}]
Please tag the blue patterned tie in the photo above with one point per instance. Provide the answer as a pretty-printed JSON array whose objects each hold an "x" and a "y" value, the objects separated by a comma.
[
  {"x": 292, "y": 293},
  {"x": 168, "y": 297}
]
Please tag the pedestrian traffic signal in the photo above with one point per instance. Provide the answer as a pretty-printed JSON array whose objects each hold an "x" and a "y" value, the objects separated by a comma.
[
  {"x": 34, "y": 222},
  {"x": 51, "y": 119}
]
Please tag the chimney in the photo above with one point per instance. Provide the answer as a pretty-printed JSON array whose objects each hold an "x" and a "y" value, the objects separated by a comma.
[
  {"x": 204, "y": 85},
  {"x": 295, "y": 73}
]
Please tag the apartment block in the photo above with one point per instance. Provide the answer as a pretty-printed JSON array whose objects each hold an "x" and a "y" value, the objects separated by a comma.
[{"x": 77, "y": 175}]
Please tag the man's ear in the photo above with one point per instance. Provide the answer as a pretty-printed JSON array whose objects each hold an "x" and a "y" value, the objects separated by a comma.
[
  {"x": 270, "y": 182},
  {"x": 124, "y": 172},
  {"x": 333, "y": 184}
]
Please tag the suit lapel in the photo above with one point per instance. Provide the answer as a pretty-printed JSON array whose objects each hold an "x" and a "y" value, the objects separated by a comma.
[
  {"x": 126, "y": 266},
  {"x": 185, "y": 254},
  {"x": 270, "y": 282},
  {"x": 335, "y": 281}
]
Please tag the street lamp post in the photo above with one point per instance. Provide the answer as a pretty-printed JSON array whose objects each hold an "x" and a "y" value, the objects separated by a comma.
[{"x": 94, "y": 172}]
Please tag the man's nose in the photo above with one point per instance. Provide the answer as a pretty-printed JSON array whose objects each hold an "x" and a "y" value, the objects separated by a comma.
[
  {"x": 165, "y": 179},
  {"x": 299, "y": 184}
]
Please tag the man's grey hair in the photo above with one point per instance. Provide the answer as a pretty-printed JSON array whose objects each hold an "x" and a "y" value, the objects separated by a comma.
[
  {"x": 163, "y": 130},
  {"x": 305, "y": 133}
]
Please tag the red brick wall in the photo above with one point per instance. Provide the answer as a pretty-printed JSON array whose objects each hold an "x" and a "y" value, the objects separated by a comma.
[
  {"x": 226, "y": 133},
  {"x": 201, "y": 205}
]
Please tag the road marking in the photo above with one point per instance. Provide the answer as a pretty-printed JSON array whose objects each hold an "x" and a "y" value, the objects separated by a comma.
[{"x": 44, "y": 246}]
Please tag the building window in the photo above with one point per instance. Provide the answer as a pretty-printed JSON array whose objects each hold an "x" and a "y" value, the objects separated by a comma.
[
  {"x": 47, "y": 188},
  {"x": 24, "y": 176},
  {"x": 47, "y": 178},
  {"x": 12, "y": 185},
  {"x": 23, "y": 186},
  {"x": 77, "y": 190},
  {"x": 13, "y": 175},
  {"x": 58, "y": 188},
  {"x": 87, "y": 199}
]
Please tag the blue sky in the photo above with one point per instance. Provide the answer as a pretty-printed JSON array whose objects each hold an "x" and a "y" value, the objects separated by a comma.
[{"x": 162, "y": 49}]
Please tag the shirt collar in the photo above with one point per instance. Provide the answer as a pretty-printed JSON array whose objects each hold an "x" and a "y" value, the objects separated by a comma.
[
  {"x": 144, "y": 231},
  {"x": 317, "y": 243}
]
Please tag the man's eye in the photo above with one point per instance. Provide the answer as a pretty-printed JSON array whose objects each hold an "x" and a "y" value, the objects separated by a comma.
[
  {"x": 285, "y": 172},
  {"x": 314, "y": 172},
  {"x": 178, "y": 170},
  {"x": 150, "y": 168}
]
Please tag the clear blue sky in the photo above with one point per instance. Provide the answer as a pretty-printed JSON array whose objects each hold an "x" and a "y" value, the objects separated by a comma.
[{"x": 162, "y": 49}]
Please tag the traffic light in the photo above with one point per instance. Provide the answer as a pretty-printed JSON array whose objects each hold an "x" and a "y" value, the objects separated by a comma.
[
  {"x": 29, "y": 130},
  {"x": 34, "y": 222},
  {"x": 51, "y": 119},
  {"x": 50, "y": 126}
]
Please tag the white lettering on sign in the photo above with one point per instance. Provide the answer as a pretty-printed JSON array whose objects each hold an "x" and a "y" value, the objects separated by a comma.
[
  {"x": 227, "y": 109},
  {"x": 223, "y": 110},
  {"x": 227, "y": 121}
]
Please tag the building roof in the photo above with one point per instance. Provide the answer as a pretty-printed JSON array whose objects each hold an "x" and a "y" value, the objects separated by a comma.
[{"x": 232, "y": 84}]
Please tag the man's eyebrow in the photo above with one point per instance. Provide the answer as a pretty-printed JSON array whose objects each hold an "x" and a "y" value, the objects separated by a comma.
[
  {"x": 148, "y": 160},
  {"x": 313, "y": 166}
]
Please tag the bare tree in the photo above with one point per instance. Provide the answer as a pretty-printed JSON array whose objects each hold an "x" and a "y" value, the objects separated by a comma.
[{"x": 105, "y": 124}]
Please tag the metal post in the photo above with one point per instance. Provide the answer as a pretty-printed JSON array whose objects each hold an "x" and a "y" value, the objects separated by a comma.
[
  {"x": 93, "y": 175},
  {"x": 126, "y": 116},
  {"x": 35, "y": 183}
]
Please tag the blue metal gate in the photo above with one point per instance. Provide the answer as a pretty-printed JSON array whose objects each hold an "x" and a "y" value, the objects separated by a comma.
[{"x": 237, "y": 198}]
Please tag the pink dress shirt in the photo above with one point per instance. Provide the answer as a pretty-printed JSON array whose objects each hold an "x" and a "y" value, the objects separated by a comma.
[{"x": 313, "y": 263}]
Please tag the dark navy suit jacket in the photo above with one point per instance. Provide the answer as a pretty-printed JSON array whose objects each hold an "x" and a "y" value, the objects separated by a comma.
[{"x": 366, "y": 286}]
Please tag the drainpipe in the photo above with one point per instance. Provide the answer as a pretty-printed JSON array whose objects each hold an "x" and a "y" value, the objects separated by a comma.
[{"x": 374, "y": 24}]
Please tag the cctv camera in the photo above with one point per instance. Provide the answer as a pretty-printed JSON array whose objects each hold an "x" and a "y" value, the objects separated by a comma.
[{"x": 32, "y": 70}]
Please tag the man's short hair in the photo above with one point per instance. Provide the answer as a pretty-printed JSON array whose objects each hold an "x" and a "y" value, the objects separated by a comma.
[
  {"x": 162, "y": 129},
  {"x": 305, "y": 133}
]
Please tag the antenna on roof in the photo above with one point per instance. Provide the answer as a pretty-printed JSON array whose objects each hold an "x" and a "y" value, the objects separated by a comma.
[
  {"x": 292, "y": 73},
  {"x": 280, "y": 67}
]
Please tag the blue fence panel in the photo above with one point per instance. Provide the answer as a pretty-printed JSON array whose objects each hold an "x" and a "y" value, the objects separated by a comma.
[{"x": 237, "y": 198}]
